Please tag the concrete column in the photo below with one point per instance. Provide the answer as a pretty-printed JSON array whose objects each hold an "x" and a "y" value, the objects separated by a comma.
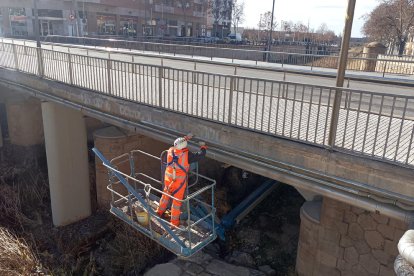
[
  {"x": 30, "y": 20},
  {"x": 67, "y": 162},
  {"x": 113, "y": 142},
  {"x": 308, "y": 238},
  {"x": 341, "y": 239},
  {"x": 308, "y": 196},
  {"x": 24, "y": 119},
  {"x": 117, "y": 23},
  {"x": 372, "y": 50},
  {"x": 92, "y": 23},
  {"x": 5, "y": 21}
]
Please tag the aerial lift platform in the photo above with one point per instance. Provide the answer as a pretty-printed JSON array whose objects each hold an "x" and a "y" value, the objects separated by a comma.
[{"x": 135, "y": 197}]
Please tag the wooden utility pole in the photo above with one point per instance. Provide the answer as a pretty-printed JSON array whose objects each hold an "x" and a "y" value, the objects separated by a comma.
[{"x": 343, "y": 60}]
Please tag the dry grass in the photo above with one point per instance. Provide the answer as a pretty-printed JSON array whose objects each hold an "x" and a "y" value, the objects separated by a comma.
[
  {"x": 16, "y": 258},
  {"x": 329, "y": 62},
  {"x": 97, "y": 246},
  {"x": 27, "y": 191},
  {"x": 23, "y": 189},
  {"x": 130, "y": 251}
]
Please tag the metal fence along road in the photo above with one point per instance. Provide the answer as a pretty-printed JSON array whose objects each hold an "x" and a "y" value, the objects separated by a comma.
[
  {"x": 376, "y": 125},
  {"x": 319, "y": 58}
]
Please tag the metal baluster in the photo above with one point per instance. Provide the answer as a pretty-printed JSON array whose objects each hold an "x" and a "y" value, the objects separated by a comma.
[
  {"x": 270, "y": 107},
  {"x": 208, "y": 95},
  {"x": 357, "y": 121},
  {"x": 202, "y": 96},
  {"x": 285, "y": 95},
  {"x": 293, "y": 111},
  {"x": 147, "y": 90},
  {"x": 378, "y": 124},
  {"x": 257, "y": 102},
  {"x": 214, "y": 95},
  {"x": 301, "y": 111},
  {"x": 346, "y": 120},
  {"x": 70, "y": 68},
  {"x": 401, "y": 127},
  {"x": 108, "y": 75},
  {"x": 309, "y": 114},
  {"x": 224, "y": 98},
  {"x": 263, "y": 104},
  {"x": 277, "y": 108},
  {"x": 182, "y": 90},
  {"x": 152, "y": 90},
  {"x": 389, "y": 127},
  {"x": 16, "y": 60},
  {"x": 232, "y": 80},
  {"x": 409, "y": 146},
  {"x": 160, "y": 91},
  {"x": 317, "y": 116},
  {"x": 327, "y": 117},
  {"x": 250, "y": 103}
]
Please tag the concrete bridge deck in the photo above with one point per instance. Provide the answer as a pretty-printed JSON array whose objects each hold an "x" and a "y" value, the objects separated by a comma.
[{"x": 277, "y": 129}]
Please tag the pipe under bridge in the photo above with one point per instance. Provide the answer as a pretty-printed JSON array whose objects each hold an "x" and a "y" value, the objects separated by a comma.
[{"x": 274, "y": 128}]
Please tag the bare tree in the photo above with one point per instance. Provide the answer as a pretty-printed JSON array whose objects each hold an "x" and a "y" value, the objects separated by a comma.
[
  {"x": 391, "y": 22},
  {"x": 265, "y": 22},
  {"x": 219, "y": 10},
  {"x": 325, "y": 34},
  {"x": 300, "y": 28},
  {"x": 299, "y": 31},
  {"x": 237, "y": 13}
]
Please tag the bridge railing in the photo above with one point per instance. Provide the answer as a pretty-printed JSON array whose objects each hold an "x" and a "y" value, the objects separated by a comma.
[
  {"x": 312, "y": 57},
  {"x": 120, "y": 42},
  {"x": 376, "y": 125}
]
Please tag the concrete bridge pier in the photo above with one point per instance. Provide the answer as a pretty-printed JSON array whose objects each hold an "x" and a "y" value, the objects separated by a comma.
[
  {"x": 24, "y": 121},
  {"x": 340, "y": 239},
  {"x": 67, "y": 162},
  {"x": 113, "y": 142}
]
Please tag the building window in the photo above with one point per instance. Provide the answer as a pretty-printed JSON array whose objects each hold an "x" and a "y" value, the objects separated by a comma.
[
  {"x": 129, "y": 26},
  {"x": 18, "y": 21},
  {"x": 49, "y": 13},
  {"x": 17, "y": 12},
  {"x": 106, "y": 24}
]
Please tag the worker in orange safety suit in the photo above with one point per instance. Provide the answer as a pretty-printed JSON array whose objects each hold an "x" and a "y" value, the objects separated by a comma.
[{"x": 179, "y": 159}]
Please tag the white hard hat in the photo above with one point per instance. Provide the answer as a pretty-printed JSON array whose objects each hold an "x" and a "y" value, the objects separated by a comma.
[{"x": 180, "y": 143}]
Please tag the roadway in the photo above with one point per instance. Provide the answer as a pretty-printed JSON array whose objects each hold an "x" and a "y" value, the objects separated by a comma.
[{"x": 367, "y": 81}]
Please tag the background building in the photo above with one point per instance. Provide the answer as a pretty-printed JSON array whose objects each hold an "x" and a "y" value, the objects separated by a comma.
[{"x": 105, "y": 17}]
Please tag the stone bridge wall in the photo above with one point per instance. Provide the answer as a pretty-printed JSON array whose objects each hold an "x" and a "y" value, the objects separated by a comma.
[{"x": 346, "y": 241}]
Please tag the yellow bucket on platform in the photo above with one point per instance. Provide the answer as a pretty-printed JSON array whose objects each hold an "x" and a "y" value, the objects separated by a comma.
[{"x": 142, "y": 218}]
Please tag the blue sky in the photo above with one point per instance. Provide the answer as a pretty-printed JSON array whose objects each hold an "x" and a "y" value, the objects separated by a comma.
[{"x": 332, "y": 12}]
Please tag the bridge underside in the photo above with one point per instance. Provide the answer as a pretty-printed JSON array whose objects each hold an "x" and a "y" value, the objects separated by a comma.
[{"x": 301, "y": 165}]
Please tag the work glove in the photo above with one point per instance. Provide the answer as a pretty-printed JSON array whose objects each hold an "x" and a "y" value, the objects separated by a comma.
[{"x": 202, "y": 145}]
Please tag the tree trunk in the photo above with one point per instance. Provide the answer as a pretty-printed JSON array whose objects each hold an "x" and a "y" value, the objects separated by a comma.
[{"x": 401, "y": 47}]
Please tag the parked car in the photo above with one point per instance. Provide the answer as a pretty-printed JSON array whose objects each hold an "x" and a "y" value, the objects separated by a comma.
[
  {"x": 234, "y": 38},
  {"x": 211, "y": 39}
]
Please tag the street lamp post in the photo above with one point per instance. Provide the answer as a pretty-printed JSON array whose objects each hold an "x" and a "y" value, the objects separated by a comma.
[
  {"x": 270, "y": 33},
  {"x": 36, "y": 24},
  {"x": 258, "y": 32},
  {"x": 343, "y": 60}
]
